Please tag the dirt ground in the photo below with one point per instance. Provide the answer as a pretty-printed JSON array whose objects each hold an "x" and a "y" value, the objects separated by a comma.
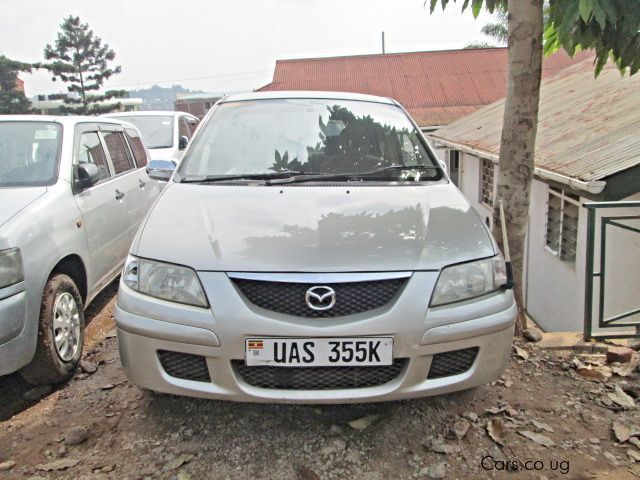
[{"x": 100, "y": 426}]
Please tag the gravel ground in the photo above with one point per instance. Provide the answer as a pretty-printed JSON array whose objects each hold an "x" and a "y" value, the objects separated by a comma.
[{"x": 101, "y": 426}]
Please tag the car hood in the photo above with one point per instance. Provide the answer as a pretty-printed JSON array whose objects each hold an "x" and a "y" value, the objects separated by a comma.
[
  {"x": 15, "y": 199},
  {"x": 307, "y": 228}
]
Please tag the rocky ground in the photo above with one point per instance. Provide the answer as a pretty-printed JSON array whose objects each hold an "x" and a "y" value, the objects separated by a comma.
[{"x": 554, "y": 414}]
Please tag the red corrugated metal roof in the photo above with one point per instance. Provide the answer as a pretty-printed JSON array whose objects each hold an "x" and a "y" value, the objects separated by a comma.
[
  {"x": 435, "y": 87},
  {"x": 587, "y": 127}
]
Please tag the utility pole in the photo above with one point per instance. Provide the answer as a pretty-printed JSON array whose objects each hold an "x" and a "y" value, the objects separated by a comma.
[{"x": 383, "y": 43}]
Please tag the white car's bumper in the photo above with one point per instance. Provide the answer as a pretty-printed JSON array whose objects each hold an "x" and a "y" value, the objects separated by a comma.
[
  {"x": 16, "y": 345},
  {"x": 436, "y": 350}
]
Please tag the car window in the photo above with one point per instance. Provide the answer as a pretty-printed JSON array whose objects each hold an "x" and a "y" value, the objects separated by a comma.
[
  {"x": 119, "y": 152},
  {"x": 183, "y": 128},
  {"x": 29, "y": 153},
  {"x": 157, "y": 130},
  {"x": 307, "y": 135},
  {"x": 91, "y": 151},
  {"x": 137, "y": 147}
]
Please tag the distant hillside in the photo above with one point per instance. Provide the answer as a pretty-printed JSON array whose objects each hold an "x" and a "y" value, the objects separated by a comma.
[{"x": 159, "y": 98}]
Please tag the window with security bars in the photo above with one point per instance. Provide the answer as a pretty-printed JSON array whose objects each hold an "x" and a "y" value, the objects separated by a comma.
[
  {"x": 487, "y": 185},
  {"x": 562, "y": 224}
]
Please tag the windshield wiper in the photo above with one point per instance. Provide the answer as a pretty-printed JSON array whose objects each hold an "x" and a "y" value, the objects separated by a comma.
[
  {"x": 245, "y": 176},
  {"x": 346, "y": 177}
]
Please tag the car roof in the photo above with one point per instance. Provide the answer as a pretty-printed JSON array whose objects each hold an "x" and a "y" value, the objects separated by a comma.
[
  {"x": 147, "y": 113},
  {"x": 66, "y": 120},
  {"x": 307, "y": 94}
]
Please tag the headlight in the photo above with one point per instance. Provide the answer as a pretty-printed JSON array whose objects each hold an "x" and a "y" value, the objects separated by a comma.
[
  {"x": 468, "y": 280},
  {"x": 11, "y": 271},
  {"x": 164, "y": 280}
]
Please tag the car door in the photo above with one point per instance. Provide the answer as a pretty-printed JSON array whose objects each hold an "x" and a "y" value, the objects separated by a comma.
[
  {"x": 104, "y": 213},
  {"x": 126, "y": 177},
  {"x": 148, "y": 189}
]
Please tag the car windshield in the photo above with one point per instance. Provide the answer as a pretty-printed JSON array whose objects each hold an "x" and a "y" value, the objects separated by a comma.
[
  {"x": 156, "y": 130},
  {"x": 29, "y": 153},
  {"x": 308, "y": 136}
]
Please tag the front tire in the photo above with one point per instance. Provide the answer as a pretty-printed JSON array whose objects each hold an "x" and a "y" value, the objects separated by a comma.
[{"x": 60, "y": 333}]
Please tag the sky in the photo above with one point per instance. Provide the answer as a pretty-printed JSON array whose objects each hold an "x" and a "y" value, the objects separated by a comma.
[{"x": 230, "y": 45}]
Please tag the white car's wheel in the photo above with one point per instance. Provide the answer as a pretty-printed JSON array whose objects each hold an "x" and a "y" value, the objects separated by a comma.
[{"x": 60, "y": 333}]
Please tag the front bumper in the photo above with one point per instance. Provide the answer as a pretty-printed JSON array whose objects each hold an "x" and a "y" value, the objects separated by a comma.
[
  {"x": 147, "y": 326},
  {"x": 15, "y": 344}
]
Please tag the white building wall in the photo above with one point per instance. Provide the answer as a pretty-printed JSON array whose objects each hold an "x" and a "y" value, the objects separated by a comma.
[
  {"x": 554, "y": 289},
  {"x": 469, "y": 185}
]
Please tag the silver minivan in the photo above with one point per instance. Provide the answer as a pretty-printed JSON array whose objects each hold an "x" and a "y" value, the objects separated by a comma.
[
  {"x": 73, "y": 191},
  {"x": 310, "y": 248}
]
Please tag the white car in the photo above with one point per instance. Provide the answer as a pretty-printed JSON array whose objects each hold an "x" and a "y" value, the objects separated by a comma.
[
  {"x": 165, "y": 133},
  {"x": 73, "y": 191},
  {"x": 310, "y": 248}
]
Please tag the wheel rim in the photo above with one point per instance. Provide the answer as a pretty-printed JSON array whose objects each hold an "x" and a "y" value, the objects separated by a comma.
[{"x": 66, "y": 326}]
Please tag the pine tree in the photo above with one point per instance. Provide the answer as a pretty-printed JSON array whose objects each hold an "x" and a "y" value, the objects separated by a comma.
[
  {"x": 80, "y": 59},
  {"x": 12, "y": 101}
]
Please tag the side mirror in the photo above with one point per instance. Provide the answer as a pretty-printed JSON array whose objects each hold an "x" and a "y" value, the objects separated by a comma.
[
  {"x": 87, "y": 175},
  {"x": 161, "y": 169},
  {"x": 183, "y": 142}
]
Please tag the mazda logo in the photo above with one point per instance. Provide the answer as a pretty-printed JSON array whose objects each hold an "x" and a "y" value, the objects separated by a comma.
[{"x": 320, "y": 297}]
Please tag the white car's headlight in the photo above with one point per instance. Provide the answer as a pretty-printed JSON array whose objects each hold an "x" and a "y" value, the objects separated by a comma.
[
  {"x": 170, "y": 282},
  {"x": 468, "y": 280},
  {"x": 11, "y": 271}
]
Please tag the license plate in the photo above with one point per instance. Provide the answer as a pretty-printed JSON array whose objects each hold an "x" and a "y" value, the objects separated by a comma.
[{"x": 319, "y": 352}]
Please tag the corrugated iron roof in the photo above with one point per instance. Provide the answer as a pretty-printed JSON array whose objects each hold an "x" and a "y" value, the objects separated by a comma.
[
  {"x": 435, "y": 87},
  {"x": 588, "y": 128}
]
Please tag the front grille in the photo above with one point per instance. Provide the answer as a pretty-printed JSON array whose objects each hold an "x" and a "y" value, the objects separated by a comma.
[
  {"x": 452, "y": 363},
  {"x": 184, "y": 365},
  {"x": 289, "y": 297},
  {"x": 318, "y": 378}
]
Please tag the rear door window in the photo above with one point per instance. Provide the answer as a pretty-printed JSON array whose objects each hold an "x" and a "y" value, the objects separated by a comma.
[
  {"x": 119, "y": 152},
  {"x": 137, "y": 147},
  {"x": 91, "y": 151}
]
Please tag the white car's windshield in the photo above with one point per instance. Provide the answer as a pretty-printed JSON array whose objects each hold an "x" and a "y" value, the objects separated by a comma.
[
  {"x": 156, "y": 130},
  {"x": 309, "y": 136},
  {"x": 29, "y": 153}
]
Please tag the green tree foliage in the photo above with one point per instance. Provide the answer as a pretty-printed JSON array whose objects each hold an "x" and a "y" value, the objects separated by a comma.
[
  {"x": 81, "y": 60},
  {"x": 497, "y": 30},
  {"x": 472, "y": 45},
  {"x": 348, "y": 143},
  {"x": 11, "y": 100},
  {"x": 610, "y": 27}
]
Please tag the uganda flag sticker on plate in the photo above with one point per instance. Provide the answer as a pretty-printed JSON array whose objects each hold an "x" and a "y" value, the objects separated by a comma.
[{"x": 255, "y": 344}]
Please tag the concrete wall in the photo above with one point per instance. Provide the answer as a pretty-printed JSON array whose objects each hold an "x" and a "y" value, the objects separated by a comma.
[
  {"x": 555, "y": 289},
  {"x": 470, "y": 185}
]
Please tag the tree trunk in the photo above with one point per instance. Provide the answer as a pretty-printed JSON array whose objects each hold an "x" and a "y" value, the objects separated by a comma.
[{"x": 519, "y": 126}]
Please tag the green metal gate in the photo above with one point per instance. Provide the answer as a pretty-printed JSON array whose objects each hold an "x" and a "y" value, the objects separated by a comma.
[{"x": 612, "y": 274}]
